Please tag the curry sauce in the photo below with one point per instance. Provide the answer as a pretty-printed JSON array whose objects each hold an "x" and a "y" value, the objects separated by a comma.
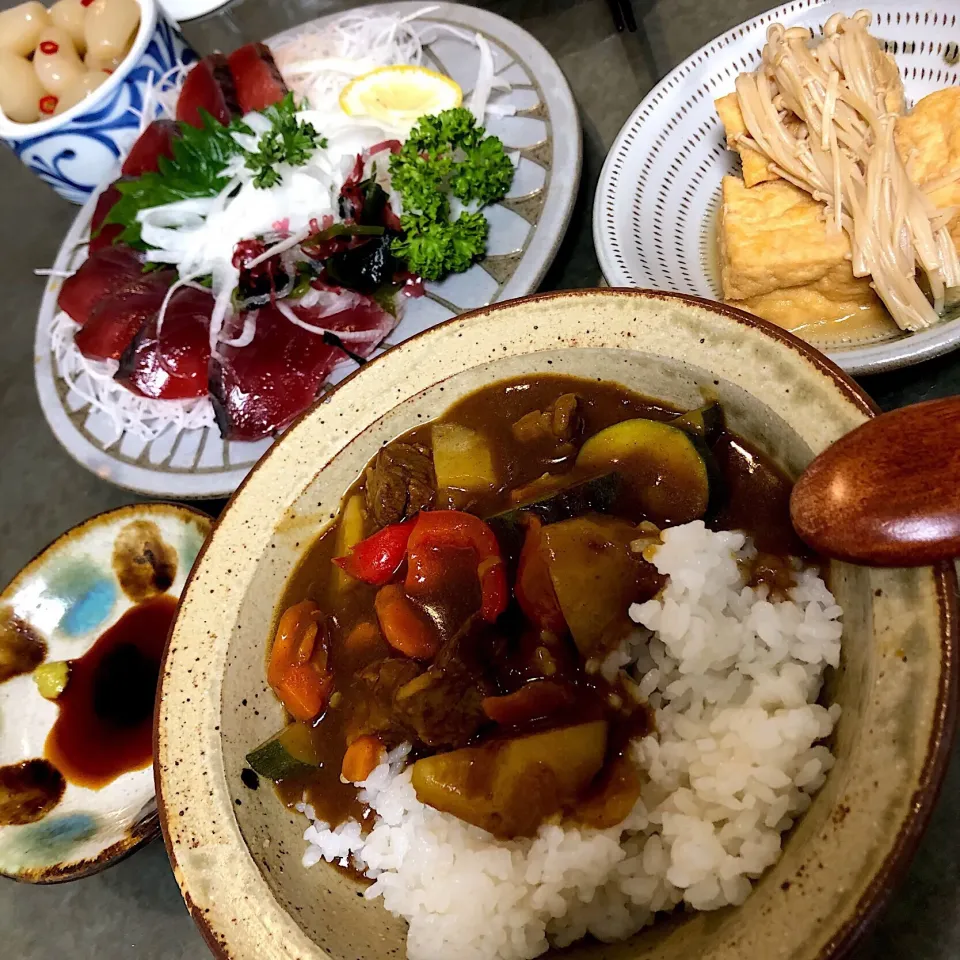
[{"x": 533, "y": 437}]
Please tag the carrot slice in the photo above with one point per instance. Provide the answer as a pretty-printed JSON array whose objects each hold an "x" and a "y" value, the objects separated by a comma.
[
  {"x": 297, "y": 670},
  {"x": 362, "y": 637},
  {"x": 361, "y": 758},
  {"x": 403, "y": 626},
  {"x": 304, "y": 691}
]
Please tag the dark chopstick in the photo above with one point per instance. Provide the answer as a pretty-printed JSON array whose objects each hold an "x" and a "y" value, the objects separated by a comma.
[
  {"x": 628, "y": 16},
  {"x": 617, "y": 12}
]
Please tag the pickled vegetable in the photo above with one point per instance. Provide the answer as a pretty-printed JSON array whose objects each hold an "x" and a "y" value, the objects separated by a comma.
[
  {"x": 20, "y": 90},
  {"x": 462, "y": 459},
  {"x": 509, "y": 787},
  {"x": 71, "y": 16},
  {"x": 110, "y": 27},
  {"x": 51, "y": 678},
  {"x": 101, "y": 64},
  {"x": 21, "y": 26},
  {"x": 89, "y": 82},
  {"x": 665, "y": 467},
  {"x": 56, "y": 62}
]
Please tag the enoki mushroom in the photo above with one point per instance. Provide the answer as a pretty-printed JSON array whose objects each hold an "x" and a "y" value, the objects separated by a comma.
[{"x": 824, "y": 118}]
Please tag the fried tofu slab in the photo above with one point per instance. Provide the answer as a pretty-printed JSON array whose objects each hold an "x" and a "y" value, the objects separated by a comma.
[{"x": 782, "y": 261}]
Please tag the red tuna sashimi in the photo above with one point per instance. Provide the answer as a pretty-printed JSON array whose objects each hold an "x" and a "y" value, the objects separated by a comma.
[
  {"x": 155, "y": 142},
  {"x": 173, "y": 365},
  {"x": 117, "y": 320},
  {"x": 101, "y": 275},
  {"x": 209, "y": 86},
  {"x": 103, "y": 236},
  {"x": 256, "y": 77},
  {"x": 261, "y": 388}
]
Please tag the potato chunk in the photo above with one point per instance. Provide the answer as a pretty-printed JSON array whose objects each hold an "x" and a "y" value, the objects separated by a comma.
[
  {"x": 508, "y": 787},
  {"x": 462, "y": 459}
]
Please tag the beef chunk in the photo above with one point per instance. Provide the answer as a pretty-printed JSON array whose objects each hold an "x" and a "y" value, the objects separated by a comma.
[
  {"x": 439, "y": 706},
  {"x": 443, "y": 705},
  {"x": 399, "y": 483},
  {"x": 374, "y": 712},
  {"x": 562, "y": 422}
]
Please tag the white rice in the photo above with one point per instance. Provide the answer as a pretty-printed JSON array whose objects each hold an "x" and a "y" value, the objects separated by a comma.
[{"x": 736, "y": 758}]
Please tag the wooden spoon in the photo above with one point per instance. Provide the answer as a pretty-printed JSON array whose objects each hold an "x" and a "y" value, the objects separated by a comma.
[{"x": 888, "y": 493}]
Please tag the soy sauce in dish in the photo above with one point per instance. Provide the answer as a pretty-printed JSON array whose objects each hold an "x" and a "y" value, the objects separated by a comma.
[{"x": 105, "y": 725}]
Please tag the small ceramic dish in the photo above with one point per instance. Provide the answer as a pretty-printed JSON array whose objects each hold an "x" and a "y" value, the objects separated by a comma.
[
  {"x": 237, "y": 851},
  {"x": 79, "y": 150},
  {"x": 63, "y": 815}
]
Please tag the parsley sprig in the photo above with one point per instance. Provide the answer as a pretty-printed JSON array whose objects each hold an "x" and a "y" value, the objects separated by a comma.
[
  {"x": 288, "y": 141},
  {"x": 447, "y": 155}
]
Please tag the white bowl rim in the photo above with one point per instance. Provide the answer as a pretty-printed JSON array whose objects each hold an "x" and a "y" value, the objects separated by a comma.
[{"x": 12, "y": 130}]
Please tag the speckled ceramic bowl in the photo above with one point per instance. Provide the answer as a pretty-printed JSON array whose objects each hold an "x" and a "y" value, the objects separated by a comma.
[
  {"x": 55, "y": 609},
  {"x": 236, "y": 851}
]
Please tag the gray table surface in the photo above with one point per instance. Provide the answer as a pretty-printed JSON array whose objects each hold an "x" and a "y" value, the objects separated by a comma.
[{"x": 134, "y": 909}]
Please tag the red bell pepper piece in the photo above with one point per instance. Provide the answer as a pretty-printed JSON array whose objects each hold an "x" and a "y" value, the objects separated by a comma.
[
  {"x": 452, "y": 529},
  {"x": 376, "y": 559},
  {"x": 534, "y": 588}
]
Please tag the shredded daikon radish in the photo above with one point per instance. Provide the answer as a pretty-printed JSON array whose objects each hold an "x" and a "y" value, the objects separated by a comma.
[
  {"x": 61, "y": 274},
  {"x": 347, "y": 336},
  {"x": 160, "y": 96},
  {"x": 318, "y": 60},
  {"x": 249, "y": 331},
  {"x": 824, "y": 118},
  {"x": 484, "y": 84}
]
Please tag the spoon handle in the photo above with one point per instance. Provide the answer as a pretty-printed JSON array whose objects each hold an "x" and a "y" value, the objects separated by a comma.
[{"x": 888, "y": 493}]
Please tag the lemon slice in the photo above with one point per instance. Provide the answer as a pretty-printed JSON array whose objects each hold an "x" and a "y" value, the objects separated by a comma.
[{"x": 400, "y": 95}]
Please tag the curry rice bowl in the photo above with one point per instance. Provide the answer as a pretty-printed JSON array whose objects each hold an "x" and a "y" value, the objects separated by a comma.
[{"x": 733, "y": 675}]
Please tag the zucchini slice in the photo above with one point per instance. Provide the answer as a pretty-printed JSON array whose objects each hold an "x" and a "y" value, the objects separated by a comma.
[
  {"x": 664, "y": 467},
  {"x": 289, "y": 753},
  {"x": 597, "y": 495},
  {"x": 705, "y": 422}
]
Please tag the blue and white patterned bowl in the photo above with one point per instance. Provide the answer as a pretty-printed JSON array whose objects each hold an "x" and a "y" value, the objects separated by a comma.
[{"x": 78, "y": 151}]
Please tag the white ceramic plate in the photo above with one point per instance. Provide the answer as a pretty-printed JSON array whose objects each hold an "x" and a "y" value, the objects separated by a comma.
[
  {"x": 525, "y": 232},
  {"x": 654, "y": 218}
]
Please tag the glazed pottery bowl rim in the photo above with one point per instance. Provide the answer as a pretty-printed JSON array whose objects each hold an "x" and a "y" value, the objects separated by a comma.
[
  {"x": 149, "y": 828},
  {"x": 936, "y": 747},
  {"x": 19, "y": 132}
]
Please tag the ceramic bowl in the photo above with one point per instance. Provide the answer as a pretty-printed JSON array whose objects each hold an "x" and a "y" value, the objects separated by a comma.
[
  {"x": 55, "y": 609},
  {"x": 78, "y": 151},
  {"x": 237, "y": 852}
]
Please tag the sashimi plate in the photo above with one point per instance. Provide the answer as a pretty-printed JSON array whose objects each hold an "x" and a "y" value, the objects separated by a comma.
[{"x": 526, "y": 228}]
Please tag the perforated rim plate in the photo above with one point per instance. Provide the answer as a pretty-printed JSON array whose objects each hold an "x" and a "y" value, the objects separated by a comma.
[
  {"x": 525, "y": 231},
  {"x": 655, "y": 213}
]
